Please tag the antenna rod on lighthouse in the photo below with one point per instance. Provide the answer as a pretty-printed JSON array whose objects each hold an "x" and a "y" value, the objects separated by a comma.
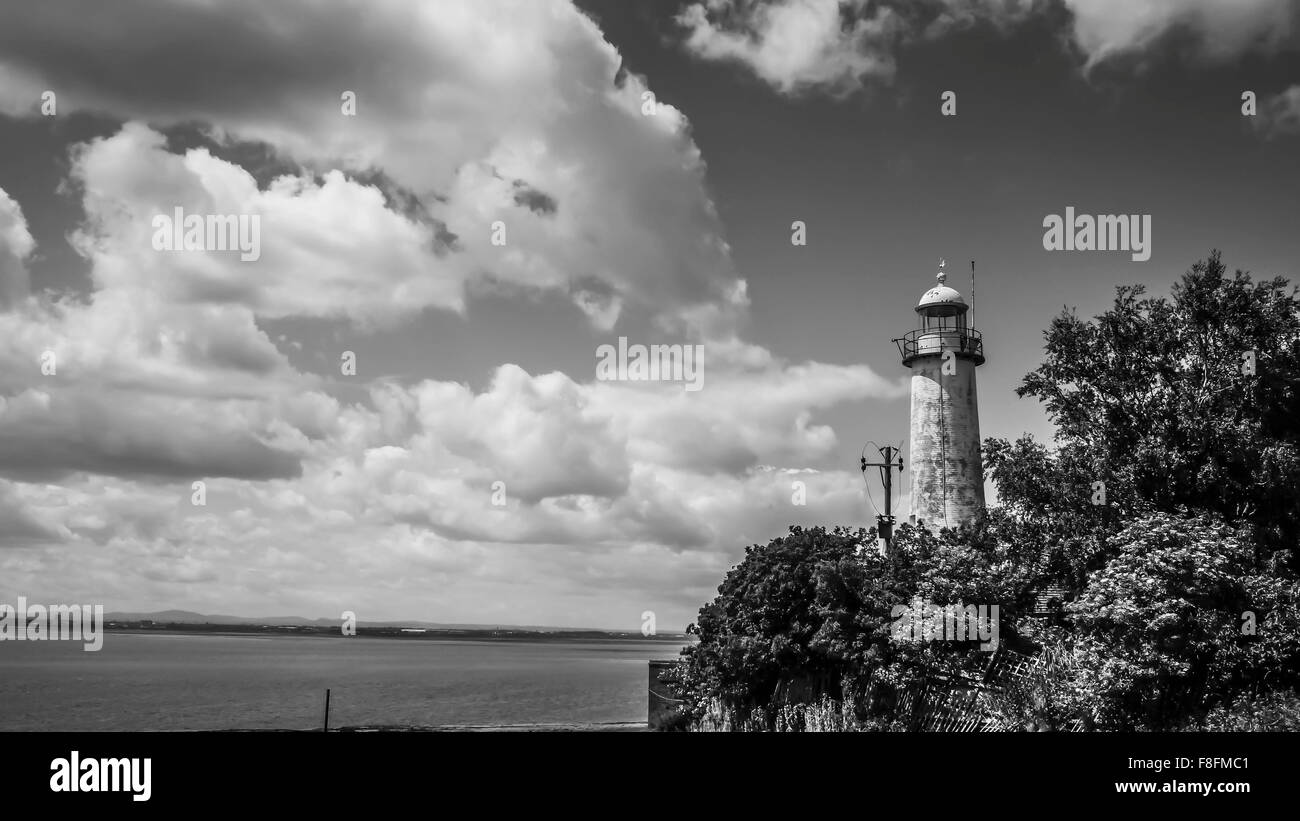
[{"x": 972, "y": 294}]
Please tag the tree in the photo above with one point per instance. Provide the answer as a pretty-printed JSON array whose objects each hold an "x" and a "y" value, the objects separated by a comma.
[
  {"x": 755, "y": 636},
  {"x": 1185, "y": 412},
  {"x": 1169, "y": 505},
  {"x": 809, "y": 617},
  {"x": 1166, "y": 622},
  {"x": 1191, "y": 402}
]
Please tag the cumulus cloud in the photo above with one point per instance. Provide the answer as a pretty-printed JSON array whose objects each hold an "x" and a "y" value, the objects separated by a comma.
[
  {"x": 1279, "y": 114},
  {"x": 403, "y": 489},
  {"x": 586, "y": 463},
  {"x": 146, "y": 377},
  {"x": 46, "y": 435},
  {"x": 1220, "y": 29},
  {"x": 795, "y": 44},
  {"x": 613, "y": 484},
  {"x": 20, "y": 526},
  {"x": 16, "y": 244},
  {"x": 518, "y": 113},
  {"x": 378, "y": 495},
  {"x": 331, "y": 248},
  {"x": 841, "y": 45}
]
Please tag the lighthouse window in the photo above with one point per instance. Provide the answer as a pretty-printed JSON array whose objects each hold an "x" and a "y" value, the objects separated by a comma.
[{"x": 944, "y": 323}]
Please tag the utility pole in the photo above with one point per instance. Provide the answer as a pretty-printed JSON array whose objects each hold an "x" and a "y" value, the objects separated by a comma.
[{"x": 885, "y": 522}]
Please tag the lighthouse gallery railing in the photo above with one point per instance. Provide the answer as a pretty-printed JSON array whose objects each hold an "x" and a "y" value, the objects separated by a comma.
[{"x": 936, "y": 340}]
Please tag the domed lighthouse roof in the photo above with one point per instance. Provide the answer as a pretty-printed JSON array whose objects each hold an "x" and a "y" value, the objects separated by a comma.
[{"x": 941, "y": 300}]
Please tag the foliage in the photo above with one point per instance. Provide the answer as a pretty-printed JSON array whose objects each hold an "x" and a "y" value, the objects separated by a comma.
[
  {"x": 808, "y": 617},
  {"x": 1051, "y": 694},
  {"x": 1199, "y": 463},
  {"x": 755, "y": 636},
  {"x": 1158, "y": 637},
  {"x": 1274, "y": 712},
  {"x": 1154, "y": 398},
  {"x": 1164, "y": 622}
]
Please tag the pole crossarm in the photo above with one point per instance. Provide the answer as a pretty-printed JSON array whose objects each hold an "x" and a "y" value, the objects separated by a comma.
[{"x": 893, "y": 460}]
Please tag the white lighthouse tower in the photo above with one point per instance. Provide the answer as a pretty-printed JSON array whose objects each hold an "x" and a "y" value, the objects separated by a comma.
[{"x": 947, "y": 474}]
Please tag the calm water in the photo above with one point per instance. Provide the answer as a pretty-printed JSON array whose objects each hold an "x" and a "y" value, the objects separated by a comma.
[{"x": 207, "y": 682}]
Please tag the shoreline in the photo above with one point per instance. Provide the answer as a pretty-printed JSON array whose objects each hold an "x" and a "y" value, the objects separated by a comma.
[
  {"x": 237, "y": 631},
  {"x": 575, "y": 727}
]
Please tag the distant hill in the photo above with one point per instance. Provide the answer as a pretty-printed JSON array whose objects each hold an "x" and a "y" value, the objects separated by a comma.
[{"x": 190, "y": 617}]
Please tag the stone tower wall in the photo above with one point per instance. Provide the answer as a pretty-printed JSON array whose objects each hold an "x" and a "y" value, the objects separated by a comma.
[{"x": 947, "y": 475}]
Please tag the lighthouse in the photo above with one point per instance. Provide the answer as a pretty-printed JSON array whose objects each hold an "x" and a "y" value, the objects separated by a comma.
[{"x": 947, "y": 475}]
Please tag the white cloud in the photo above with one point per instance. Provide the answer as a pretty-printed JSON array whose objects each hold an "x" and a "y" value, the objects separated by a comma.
[
  {"x": 16, "y": 244},
  {"x": 621, "y": 496},
  {"x": 1222, "y": 29},
  {"x": 22, "y": 526},
  {"x": 641, "y": 490},
  {"x": 1279, "y": 114},
  {"x": 615, "y": 492},
  {"x": 460, "y": 102},
  {"x": 328, "y": 249},
  {"x": 841, "y": 45},
  {"x": 795, "y": 44}
]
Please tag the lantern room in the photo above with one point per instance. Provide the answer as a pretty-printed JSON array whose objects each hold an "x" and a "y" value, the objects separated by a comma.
[{"x": 942, "y": 314}]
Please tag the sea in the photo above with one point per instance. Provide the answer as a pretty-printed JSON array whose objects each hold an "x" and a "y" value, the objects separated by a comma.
[{"x": 186, "y": 681}]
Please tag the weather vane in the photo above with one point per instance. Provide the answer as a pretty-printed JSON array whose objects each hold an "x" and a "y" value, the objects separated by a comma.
[{"x": 941, "y": 276}]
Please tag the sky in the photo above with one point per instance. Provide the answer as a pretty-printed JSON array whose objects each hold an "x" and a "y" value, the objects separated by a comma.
[{"x": 472, "y": 467}]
